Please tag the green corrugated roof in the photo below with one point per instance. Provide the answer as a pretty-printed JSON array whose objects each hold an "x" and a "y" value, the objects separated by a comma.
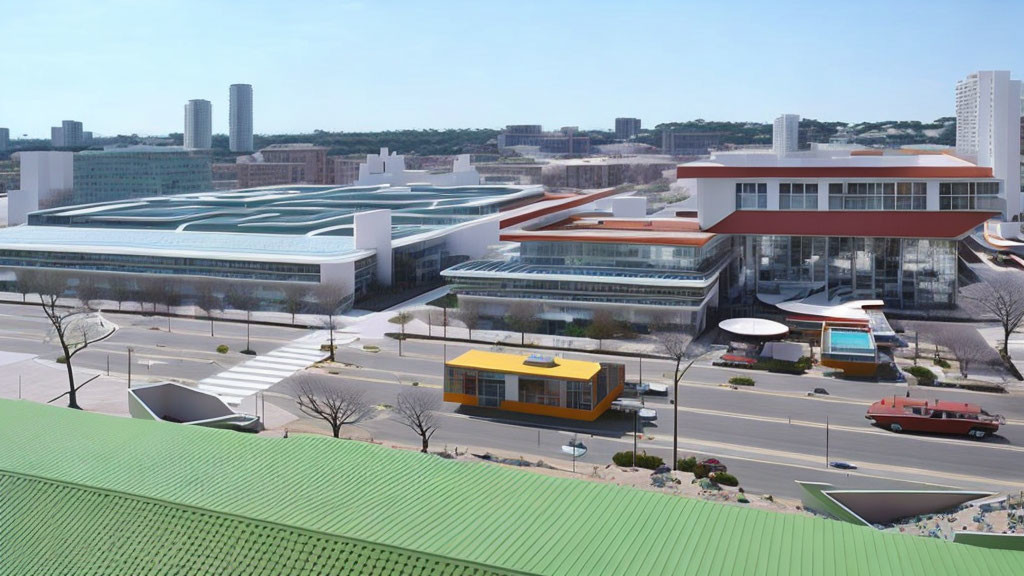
[{"x": 400, "y": 503}]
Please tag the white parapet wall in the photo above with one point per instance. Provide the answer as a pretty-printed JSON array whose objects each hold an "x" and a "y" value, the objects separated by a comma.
[{"x": 373, "y": 232}]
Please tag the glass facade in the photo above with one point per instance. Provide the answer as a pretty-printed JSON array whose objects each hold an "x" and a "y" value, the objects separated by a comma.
[
  {"x": 878, "y": 196},
  {"x": 138, "y": 264},
  {"x": 908, "y": 273},
  {"x": 751, "y": 196},
  {"x": 625, "y": 255},
  {"x": 139, "y": 172},
  {"x": 969, "y": 196},
  {"x": 798, "y": 196}
]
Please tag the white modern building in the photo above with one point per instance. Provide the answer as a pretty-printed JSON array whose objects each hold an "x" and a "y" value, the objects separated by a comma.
[
  {"x": 389, "y": 168},
  {"x": 198, "y": 125},
  {"x": 45, "y": 178},
  {"x": 786, "y": 134},
  {"x": 988, "y": 111},
  {"x": 240, "y": 118}
]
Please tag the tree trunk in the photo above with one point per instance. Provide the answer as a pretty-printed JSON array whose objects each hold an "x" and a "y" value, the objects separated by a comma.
[
  {"x": 1006, "y": 343},
  {"x": 425, "y": 443},
  {"x": 331, "y": 320},
  {"x": 522, "y": 338},
  {"x": 336, "y": 430},
  {"x": 72, "y": 393}
]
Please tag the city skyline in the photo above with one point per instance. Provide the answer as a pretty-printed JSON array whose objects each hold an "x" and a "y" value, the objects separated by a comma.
[{"x": 583, "y": 58}]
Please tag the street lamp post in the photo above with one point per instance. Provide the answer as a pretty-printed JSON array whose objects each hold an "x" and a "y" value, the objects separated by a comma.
[{"x": 130, "y": 350}]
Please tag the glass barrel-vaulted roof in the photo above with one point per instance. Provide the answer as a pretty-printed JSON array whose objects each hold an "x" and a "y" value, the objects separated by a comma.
[{"x": 294, "y": 210}]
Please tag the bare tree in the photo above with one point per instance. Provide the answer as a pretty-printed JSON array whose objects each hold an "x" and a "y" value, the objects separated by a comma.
[
  {"x": 119, "y": 288},
  {"x": 468, "y": 313},
  {"x": 169, "y": 295},
  {"x": 1003, "y": 297},
  {"x": 207, "y": 299},
  {"x": 335, "y": 403},
  {"x": 418, "y": 409},
  {"x": 28, "y": 281},
  {"x": 967, "y": 348},
  {"x": 602, "y": 326},
  {"x": 521, "y": 316},
  {"x": 243, "y": 297},
  {"x": 402, "y": 318},
  {"x": 87, "y": 289},
  {"x": 329, "y": 300},
  {"x": 150, "y": 291},
  {"x": 678, "y": 345},
  {"x": 294, "y": 298},
  {"x": 69, "y": 326}
]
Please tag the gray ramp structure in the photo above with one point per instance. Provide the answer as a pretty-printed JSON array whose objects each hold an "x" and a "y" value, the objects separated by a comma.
[{"x": 172, "y": 402}]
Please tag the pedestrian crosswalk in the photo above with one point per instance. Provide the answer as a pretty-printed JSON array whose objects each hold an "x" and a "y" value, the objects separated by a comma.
[{"x": 262, "y": 372}]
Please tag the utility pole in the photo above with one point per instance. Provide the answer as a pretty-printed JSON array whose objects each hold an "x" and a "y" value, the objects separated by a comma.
[
  {"x": 129, "y": 367},
  {"x": 826, "y": 441}
]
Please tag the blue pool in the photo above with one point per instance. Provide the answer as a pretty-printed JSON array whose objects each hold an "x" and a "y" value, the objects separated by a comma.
[{"x": 850, "y": 341}]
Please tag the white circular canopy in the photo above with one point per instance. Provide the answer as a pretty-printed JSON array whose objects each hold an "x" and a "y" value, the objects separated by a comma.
[{"x": 754, "y": 327}]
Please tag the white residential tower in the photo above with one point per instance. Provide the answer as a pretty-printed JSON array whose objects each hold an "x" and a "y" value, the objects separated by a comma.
[
  {"x": 198, "y": 125},
  {"x": 240, "y": 118}
]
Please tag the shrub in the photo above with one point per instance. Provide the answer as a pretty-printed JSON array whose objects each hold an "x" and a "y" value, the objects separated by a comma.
[
  {"x": 783, "y": 366},
  {"x": 686, "y": 464},
  {"x": 624, "y": 459},
  {"x": 725, "y": 479},
  {"x": 924, "y": 376},
  {"x": 741, "y": 381},
  {"x": 941, "y": 363},
  {"x": 62, "y": 360},
  {"x": 222, "y": 349},
  {"x": 701, "y": 471},
  {"x": 643, "y": 460}
]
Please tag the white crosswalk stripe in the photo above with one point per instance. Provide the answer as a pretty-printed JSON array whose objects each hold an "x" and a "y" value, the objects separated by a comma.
[{"x": 262, "y": 372}]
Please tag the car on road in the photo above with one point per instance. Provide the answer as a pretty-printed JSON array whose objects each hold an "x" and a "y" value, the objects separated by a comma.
[
  {"x": 842, "y": 465},
  {"x": 713, "y": 465},
  {"x": 818, "y": 392},
  {"x": 900, "y": 414}
]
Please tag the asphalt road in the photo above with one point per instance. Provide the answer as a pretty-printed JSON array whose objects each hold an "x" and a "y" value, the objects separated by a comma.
[
  {"x": 769, "y": 435},
  {"x": 187, "y": 352}
]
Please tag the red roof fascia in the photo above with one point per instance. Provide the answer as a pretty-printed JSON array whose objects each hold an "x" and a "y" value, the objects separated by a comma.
[
  {"x": 573, "y": 203},
  {"x": 833, "y": 172},
  {"x": 871, "y": 224}
]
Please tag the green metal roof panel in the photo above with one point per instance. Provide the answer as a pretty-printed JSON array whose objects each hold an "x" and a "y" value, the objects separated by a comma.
[
  {"x": 53, "y": 528},
  {"x": 469, "y": 512}
]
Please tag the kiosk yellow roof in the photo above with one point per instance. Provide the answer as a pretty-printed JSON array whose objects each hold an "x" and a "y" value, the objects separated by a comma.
[{"x": 516, "y": 364}]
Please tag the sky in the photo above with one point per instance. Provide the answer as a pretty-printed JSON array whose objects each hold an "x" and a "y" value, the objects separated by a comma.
[{"x": 125, "y": 67}]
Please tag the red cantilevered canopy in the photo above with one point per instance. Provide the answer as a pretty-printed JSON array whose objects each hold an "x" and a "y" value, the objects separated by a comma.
[{"x": 867, "y": 223}]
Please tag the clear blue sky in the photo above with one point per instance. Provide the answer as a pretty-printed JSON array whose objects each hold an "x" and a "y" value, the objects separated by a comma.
[{"x": 129, "y": 66}]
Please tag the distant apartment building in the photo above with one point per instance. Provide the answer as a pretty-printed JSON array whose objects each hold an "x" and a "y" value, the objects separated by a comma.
[
  {"x": 313, "y": 158},
  {"x": 510, "y": 172},
  {"x": 240, "y": 118},
  {"x": 257, "y": 174},
  {"x": 68, "y": 135},
  {"x": 225, "y": 175},
  {"x": 198, "y": 125},
  {"x": 565, "y": 141},
  {"x": 626, "y": 128},
  {"x": 345, "y": 171},
  {"x": 688, "y": 143},
  {"x": 122, "y": 172},
  {"x": 786, "y": 134},
  {"x": 595, "y": 175},
  {"x": 988, "y": 127},
  {"x": 5, "y": 139},
  {"x": 520, "y": 135}
]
